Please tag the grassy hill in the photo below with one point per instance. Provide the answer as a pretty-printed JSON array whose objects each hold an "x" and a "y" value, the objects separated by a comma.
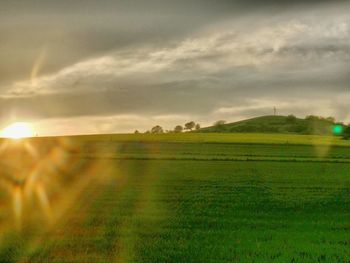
[{"x": 276, "y": 124}]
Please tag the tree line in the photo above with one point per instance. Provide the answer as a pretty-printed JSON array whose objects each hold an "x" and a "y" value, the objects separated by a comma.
[
  {"x": 189, "y": 126},
  {"x": 315, "y": 125}
]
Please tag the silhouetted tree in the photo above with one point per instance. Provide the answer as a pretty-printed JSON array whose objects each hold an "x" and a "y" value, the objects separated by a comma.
[
  {"x": 178, "y": 129},
  {"x": 312, "y": 118},
  {"x": 136, "y": 132},
  {"x": 291, "y": 119},
  {"x": 197, "y": 127},
  {"x": 219, "y": 123},
  {"x": 320, "y": 118},
  {"x": 189, "y": 125},
  {"x": 330, "y": 119},
  {"x": 346, "y": 133},
  {"x": 157, "y": 130}
]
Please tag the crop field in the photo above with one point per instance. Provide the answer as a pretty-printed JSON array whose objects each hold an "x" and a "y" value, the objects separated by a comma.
[{"x": 175, "y": 198}]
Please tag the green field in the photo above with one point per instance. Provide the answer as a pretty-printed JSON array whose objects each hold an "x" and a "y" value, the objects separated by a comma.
[{"x": 178, "y": 198}]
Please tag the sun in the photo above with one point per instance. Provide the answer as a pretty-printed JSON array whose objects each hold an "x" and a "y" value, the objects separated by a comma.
[{"x": 18, "y": 130}]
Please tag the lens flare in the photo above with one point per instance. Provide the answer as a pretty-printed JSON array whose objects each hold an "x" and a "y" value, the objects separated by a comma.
[
  {"x": 18, "y": 130},
  {"x": 338, "y": 129},
  {"x": 17, "y": 205}
]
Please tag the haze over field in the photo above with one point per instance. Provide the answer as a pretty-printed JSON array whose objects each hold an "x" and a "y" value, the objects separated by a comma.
[{"x": 117, "y": 66}]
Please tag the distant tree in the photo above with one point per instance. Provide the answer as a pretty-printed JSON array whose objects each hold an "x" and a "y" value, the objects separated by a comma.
[
  {"x": 219, "y": 126},
  {"x": 291, "y": 119},
  {"x": 320, "y": 118},
  {"x": 197, "y": 127},
  {"x": 346, "y": 133},
  {"x": 219, "y": 123},
  {"x": 157, "y": 130},
  {"x": 312, "y": 118},
  {"x": 136, "y": 132},
  {"x": 147, "y": 132},
  {"x": 330, "y": 119},
  {"x": 178, "y": 129},
  {"x": 190, "y": 125}
]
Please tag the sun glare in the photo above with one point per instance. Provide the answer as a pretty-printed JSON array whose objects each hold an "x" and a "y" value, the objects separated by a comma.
[{"x": 18, "y": 130}]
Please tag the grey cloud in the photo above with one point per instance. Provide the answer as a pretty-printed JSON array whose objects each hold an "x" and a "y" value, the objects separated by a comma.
[
  {"x": 74, "y": 30},
  {"x": 205, "y": 63},
  {"x": 289, "y": 52}
]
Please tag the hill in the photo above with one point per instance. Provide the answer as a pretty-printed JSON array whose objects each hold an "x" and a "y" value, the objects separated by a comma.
[{"x": 276, "y": 124}]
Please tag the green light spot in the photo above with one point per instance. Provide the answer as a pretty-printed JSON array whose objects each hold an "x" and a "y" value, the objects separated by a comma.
[{"x": 338, "y": 129}]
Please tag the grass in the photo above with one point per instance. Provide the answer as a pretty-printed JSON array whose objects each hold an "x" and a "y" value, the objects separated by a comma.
[
  {"x": 236, "y": 138},
  {"x": 196, "y": 198}
]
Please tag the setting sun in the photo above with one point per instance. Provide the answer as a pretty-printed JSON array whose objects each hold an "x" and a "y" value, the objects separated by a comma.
[{"x": 18, "y": 130}]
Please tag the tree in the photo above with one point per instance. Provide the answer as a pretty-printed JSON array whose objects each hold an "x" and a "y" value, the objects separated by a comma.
[
  {"x": 291, "y": 119},
  {"x": 312, "y": 118},
  {"x": 136, "y": 132},
  {"x": 346, "y": 133},
  {"x": 157, "y": 130},
  {"x": 320, "y": 118},
  {"x": 190, "y": 125},
  {"x": 219, "y": 123},
  {"x": 197, "y": 127},
  {"x": 178, "y": 129},
  {"x": 330, "y": 119}
]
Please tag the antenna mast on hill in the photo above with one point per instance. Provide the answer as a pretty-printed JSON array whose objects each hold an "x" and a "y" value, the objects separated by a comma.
[{"x": 274, "y": 111}]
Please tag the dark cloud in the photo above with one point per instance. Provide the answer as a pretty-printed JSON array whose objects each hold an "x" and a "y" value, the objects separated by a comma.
[
  {"x": 140, "y": 6},
  {"x": 74, "y": 30}
]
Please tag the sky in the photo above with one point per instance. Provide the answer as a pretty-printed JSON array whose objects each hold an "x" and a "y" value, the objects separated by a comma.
[{"x": 81, "y": 67}]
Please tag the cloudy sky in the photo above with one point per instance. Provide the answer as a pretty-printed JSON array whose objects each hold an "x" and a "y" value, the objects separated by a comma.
[{"x": 73, "y": 67}]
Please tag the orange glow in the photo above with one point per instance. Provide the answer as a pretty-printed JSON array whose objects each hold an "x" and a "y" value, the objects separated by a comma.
[
  {"x": 18, "y": 130},
  {"x": 17, "y": 205}
]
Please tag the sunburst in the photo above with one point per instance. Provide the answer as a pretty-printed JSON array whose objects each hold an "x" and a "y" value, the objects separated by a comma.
[{"x": 18, "y": 130}]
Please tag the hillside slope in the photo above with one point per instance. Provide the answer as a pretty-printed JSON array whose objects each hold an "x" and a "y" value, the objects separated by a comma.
[{"x": 275, "y": 124}]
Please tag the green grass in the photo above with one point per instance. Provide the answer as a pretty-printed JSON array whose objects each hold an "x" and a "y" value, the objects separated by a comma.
[
  {"x": 197, "y": 198},
  {"x": 240, "y": 138}
]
